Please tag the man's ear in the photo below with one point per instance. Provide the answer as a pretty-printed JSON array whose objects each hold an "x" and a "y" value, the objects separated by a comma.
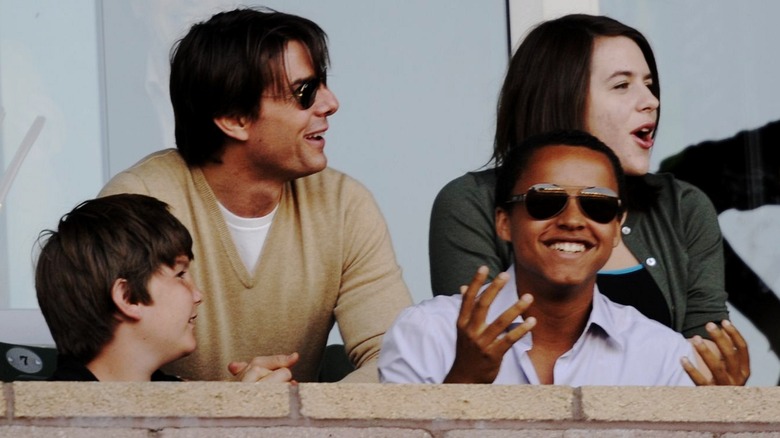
[
  {"x": 503, "y": 225},
  {"x": 235, "y": 127},
  {"x": 120, "y": 294}
]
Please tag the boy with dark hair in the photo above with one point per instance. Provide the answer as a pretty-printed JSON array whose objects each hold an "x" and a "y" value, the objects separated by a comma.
[{"x": 113, "y": 285}]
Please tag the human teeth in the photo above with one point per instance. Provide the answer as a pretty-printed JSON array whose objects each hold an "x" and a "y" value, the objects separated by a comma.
[
  {"x": 568, "y": 247},
  {"x": 644, "y": 133}
]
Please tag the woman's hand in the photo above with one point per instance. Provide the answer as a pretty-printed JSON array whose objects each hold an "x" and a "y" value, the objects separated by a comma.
[{"x": 726, "y": 357}]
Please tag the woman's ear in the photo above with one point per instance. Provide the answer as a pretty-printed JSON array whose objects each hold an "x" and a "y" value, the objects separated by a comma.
[
  {"x": 120, "y": 294},
  {"x": 503, "y": 225},
  {"x": 235, "y": 127}
]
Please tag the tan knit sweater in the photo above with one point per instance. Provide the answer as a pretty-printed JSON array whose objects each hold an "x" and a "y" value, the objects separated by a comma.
[{"x": 328, "y": 256}]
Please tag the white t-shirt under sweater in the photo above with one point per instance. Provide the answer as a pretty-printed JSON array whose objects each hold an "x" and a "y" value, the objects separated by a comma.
[{"x": 248, "y": 234}]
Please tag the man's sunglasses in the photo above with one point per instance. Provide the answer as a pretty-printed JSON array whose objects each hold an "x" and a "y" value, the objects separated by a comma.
[
  {"x": 306, "y": 93},
  {"x": 545, "y": 201}
]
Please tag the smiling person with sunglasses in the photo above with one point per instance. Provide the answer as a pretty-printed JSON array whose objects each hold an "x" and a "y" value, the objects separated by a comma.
[
  {"x": 283, "y": 245},
  {"x": 544, "y": 321}
]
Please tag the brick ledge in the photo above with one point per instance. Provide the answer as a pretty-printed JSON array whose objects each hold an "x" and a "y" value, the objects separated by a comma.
[{"x": 311, "y": 409}]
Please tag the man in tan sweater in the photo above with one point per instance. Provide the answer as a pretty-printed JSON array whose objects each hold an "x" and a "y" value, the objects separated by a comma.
[{"x": 284, "y": 246}]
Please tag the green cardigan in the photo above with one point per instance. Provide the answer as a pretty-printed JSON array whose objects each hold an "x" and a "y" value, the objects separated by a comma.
[{"x": 678, "y": 241}]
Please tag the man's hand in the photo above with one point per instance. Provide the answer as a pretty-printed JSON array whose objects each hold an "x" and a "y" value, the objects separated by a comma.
[
  {"x": 726, "y": 357},
  {"x": 480, "y": 348},
  {"x": 265, "y": 368}
]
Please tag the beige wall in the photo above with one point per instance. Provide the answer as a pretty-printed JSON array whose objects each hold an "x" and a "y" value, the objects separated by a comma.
[{"x": 201, "y": 409}]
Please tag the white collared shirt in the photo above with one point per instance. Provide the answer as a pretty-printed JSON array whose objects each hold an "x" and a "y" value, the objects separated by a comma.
[{"x": 619, "y": 346}]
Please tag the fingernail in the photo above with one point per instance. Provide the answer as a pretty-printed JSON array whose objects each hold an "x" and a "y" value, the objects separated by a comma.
[
  {"x": 527, "y": 298},
  {"x": 726, "y": 323}
]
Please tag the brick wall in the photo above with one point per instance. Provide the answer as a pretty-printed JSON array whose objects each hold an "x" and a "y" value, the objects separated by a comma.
[{"x": 205, "y": 409}]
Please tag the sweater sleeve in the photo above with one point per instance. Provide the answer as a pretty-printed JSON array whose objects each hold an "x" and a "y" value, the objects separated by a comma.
[
  {"x": 706, "y": 296},
  {"x": 462, "y": 234},
  {"x": 372, "y": 291}
]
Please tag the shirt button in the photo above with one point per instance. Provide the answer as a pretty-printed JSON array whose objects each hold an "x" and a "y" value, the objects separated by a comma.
[
  {"x": 626, "y": 230},
  {"x": 650, "y": 261}
]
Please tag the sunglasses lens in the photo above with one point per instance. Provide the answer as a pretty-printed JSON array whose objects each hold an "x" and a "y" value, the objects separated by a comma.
[
  {"x": 544, "y": 205},
  {"x": 308, "y": 92},
  {"x": 602, "y": 209}
]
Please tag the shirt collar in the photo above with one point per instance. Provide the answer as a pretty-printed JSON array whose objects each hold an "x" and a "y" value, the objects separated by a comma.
[
  {"x": 600, "y": 321},
  {"x": 602, "y": 318}
]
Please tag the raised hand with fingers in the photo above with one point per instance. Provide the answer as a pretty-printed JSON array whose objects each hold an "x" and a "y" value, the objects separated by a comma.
[
  {"x": 265, "y": 368},
  {"x": 726, "y": 357},
  {"x": 480, "y": 347}
]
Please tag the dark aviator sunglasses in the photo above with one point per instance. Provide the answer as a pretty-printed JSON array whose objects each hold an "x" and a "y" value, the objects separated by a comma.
[
  {"x": 306, "y": 93},
  {"x": 545, "y": 201}
]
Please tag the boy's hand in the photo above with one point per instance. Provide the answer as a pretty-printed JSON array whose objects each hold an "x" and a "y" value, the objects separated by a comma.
[
  {"x": 480, "y": 348},
  {"x": 265, "y": 368}
]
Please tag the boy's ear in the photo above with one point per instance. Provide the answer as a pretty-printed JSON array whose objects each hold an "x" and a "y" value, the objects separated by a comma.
[
  {"x": 618, "y": 234},
  {"x": 235, "y": 127},
  {"x": 120, "y": 294},
  {"x": 503, "y": 226}
]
